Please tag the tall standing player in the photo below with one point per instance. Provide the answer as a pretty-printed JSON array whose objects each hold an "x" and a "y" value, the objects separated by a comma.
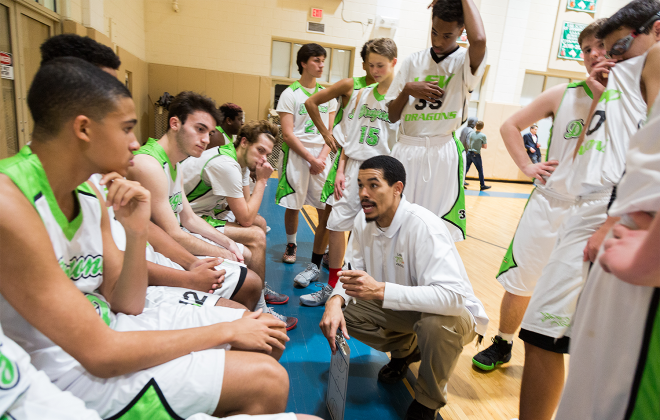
[
  {"x": 530, "y": 249},
  {"x": 367, "y": 133},
  {"x": 429, "y": 96},
  {"x": 304, "y": 162}
]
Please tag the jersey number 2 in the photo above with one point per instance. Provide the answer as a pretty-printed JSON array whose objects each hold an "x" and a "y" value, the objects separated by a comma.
[{"x": 309, "y": 127}]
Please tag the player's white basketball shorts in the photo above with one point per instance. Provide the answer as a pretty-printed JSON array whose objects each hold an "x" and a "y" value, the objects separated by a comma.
[
  {"x": 297, "y": 186},
  {"x": 614, "y": 340},
  {"x": 219, "y": 221},
  {"x": 188, "y": 385},
  {"x": 240, "y": 247},
  {"x": 533, "y": 241},
  {"x": 435, "y": 171},
  {"x": 551, "y": 308},
  {"x": 345, "y": 209},
  {"x": 43, "y": 400},
  {"x": 235, "y": 274}
]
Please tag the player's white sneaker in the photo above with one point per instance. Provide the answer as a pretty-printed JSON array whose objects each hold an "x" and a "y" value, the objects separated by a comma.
[
  {"x": 310, "y": 274},
  {"x": 317, "y": 298}
]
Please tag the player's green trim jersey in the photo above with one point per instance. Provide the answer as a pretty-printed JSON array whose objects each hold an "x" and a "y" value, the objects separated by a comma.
[{"x": 174, "y": 178}]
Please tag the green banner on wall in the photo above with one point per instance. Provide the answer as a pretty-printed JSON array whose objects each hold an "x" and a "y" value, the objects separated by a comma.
[
  {"x": 588, "y": 6},
  {"x": 569, "y": 47}
]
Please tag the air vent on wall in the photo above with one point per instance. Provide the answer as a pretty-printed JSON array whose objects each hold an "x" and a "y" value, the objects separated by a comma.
[{"x": 318, "y": 28}]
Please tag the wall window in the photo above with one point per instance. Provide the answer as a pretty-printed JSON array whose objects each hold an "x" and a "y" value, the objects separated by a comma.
[
  {"x": 283, "y": 61},
  {"x": 533, "y": 85},
  {"x": 49, "y": 4}
]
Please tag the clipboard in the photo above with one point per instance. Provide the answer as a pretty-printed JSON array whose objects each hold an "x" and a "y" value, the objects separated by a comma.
[{"x": 335, "y": 398}]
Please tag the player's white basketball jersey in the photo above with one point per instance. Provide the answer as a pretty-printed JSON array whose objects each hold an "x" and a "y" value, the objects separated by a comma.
[
  {"x": 600, "y": 161},
  {"x": 368, "y": 127},
  {"x": 78, "y": 247},
  {"x": 639, "y": 189},
  {"x": 200, "y": 195},
  {"x": 452, "y": 72},
  {"x": 292, "y": 101},
  {"x": 567, "y": 127},
  {"x": 341, "y": 119},
  {"x": 14, "y": 365},
  {"x": 173, "y": 173}
]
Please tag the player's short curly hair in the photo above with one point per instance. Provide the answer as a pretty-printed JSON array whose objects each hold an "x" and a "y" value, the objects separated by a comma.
[
  {"x": 449, "y": 11},
  {"x": 253, "y": 129},
  {"x": 187, "y": 102},
  {"x": 383, "y": 46},
  {"x": 591, "y": 30},
  {"x": 308, "y": 51},
  {"x": 365, "y": 50},
  {"x": 85, "y": 48}
]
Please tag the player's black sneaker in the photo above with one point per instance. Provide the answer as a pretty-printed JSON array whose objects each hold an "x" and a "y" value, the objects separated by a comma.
[
  {"x": 485, "y": 187},
  {"x": 499, "y": 352}
]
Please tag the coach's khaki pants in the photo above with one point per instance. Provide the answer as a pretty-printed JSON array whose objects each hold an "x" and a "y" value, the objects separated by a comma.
[{"x": 440, "y": 340}]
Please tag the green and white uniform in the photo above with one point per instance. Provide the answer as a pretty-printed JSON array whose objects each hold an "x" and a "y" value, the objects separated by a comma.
[
  {"x": 28, "y": 394},
  {"x": 297, "y": 186},
  {"x": 174, "y": 175},
  {"x": 598, "y": 166},
  {"x": 185, "y": 386},
  {"x": 210, "y": 179},
  {"x": 427, "y": 146},
  {"x": 616, "y": 328},
  {"x": 338, "y": 130},
  {"x": 548, "y": 204},
  {"x": 226, "y": 136},
  {"x": 235, "y": 272},
  {"x": 367, "y": 129}
]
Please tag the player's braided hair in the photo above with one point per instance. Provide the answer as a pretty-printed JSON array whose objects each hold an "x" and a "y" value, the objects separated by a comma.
[
  {"x": 253, "y": 129},
  {"x": 229, "y": 110}
]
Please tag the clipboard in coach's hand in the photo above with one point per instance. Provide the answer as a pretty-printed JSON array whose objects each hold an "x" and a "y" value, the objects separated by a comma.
[{"x": 335, "y": 399}]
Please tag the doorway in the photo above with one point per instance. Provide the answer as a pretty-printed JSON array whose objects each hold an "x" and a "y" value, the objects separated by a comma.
[{"x": 23, "y": 28}]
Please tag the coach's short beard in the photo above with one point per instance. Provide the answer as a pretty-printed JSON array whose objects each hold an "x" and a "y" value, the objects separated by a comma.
[{"x": 371, "y": 219}]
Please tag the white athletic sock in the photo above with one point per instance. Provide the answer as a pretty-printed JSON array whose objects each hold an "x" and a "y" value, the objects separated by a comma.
[
  {"x": 507, "y": 337},
  {"x": 262, "y": 303},
  {"x": 291, "y": 239}
]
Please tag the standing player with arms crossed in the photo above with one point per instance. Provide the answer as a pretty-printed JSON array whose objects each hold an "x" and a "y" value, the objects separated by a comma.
[
  {"x": 549, "y": 203},
  {"x": 345, "y": 91},
  {"x": 429, "y": 96},
  {"x": 305, "y": 162},
  {"x": 367, "y": 132}
]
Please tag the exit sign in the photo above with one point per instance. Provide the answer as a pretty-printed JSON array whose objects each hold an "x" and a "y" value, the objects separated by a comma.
[{"x": 317, "y": 13}]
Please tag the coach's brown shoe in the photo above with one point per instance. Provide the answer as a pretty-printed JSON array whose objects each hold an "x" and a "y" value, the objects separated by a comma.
[{"x": 289, "y": 256}]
